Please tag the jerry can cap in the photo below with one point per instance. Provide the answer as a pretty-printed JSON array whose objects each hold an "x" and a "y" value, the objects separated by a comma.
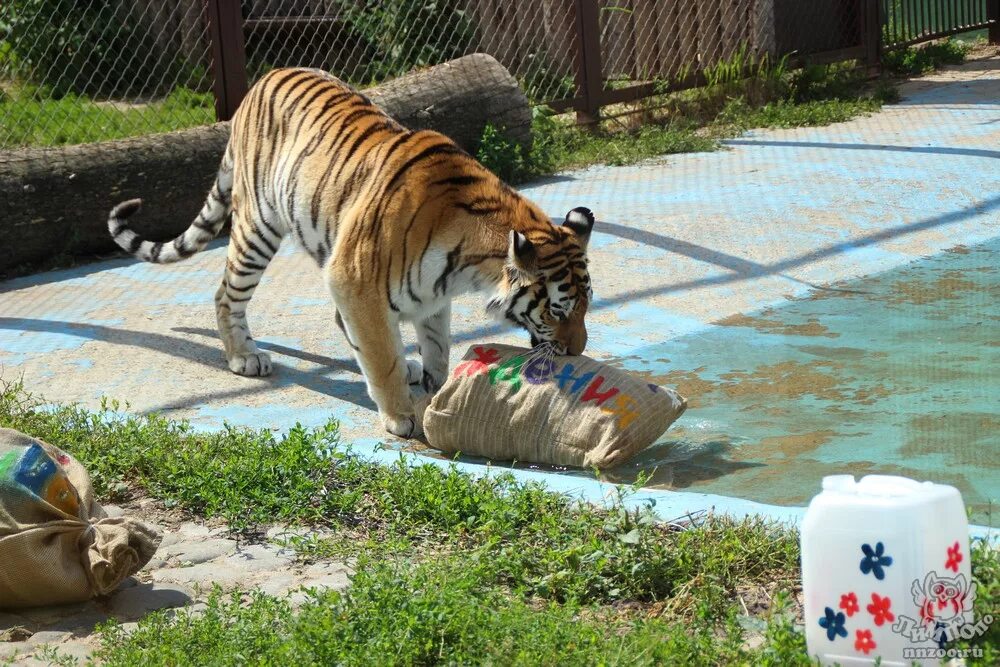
[{"x": 876, "y": 485}]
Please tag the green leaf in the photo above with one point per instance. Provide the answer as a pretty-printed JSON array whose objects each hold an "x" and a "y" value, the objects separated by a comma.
[{"x": 631, "y": 537}]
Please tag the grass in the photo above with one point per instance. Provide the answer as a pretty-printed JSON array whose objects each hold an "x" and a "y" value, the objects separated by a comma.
[
  {"x": 452, "y": 569},
  {"x": 915, "y": 61},
  {"x": 739, "y": 116},
  {"x": 31, "y": 119},
  {"x": 434, "y": 614}
]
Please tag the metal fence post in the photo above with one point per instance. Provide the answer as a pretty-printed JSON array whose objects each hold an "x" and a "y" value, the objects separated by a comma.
[
  {"x": 589, "y": 79},
  {"x": 993, "y": 15},
  {"x": 229, "y": 61},
  {"x": 872, "y": 21}
]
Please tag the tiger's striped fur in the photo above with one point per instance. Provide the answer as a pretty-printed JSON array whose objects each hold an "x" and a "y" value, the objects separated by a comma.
[{"x": 400, "y": 221}]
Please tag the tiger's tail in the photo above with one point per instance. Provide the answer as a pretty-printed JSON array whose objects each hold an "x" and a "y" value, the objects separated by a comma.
[{"x": 206, "y": 225}]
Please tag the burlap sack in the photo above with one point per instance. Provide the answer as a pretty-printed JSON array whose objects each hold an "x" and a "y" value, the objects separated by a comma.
[
  {"x": 507, "y": 403},
  {"x": 57, "y": 544}
]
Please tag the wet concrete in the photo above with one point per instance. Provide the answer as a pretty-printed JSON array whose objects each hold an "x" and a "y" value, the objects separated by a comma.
[
  {"x": 896, "y": 372},
  {"x": 683, "y": 241}
]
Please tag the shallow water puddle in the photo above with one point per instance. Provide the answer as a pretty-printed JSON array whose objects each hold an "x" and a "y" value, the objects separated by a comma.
[{"x": 897, "y": 373}]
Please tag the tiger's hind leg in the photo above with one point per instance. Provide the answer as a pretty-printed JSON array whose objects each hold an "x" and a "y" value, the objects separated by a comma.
[{"x": 250, "y": 251}]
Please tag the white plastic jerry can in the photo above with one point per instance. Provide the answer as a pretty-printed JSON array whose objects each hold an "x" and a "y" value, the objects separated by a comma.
[{"x": 886, "y": 571}]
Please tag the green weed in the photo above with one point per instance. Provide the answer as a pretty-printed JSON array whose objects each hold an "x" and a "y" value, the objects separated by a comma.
[
  {"x": 911, "y": 61},
  {"x": 559, "y": 145},
  {"x": 97, "y": 49},
  {"x": 423, "y": 615},
  {"x": 739, "y": 115}
]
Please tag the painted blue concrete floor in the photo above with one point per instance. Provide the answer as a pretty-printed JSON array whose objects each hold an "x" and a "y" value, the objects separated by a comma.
[{"x": 826, "y": 298}]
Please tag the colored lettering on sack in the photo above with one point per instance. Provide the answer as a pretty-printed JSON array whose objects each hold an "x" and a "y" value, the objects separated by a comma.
[
  {"x": 592, "y": 393},
  {"x": 7, "y": 463},
  {"x": 539, "y": 371},
  {"x": 588, "y": 387},
  {"x": 484, "y": 357},
  {"x": 35, "y": 469},
  {"x": 39, "y": 474},
  {"x": 509, "y": 371},
  {"x": 625, "y": 409}
]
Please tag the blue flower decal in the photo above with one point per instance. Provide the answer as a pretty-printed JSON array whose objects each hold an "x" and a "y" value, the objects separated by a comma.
[
  {"x": 834, "y": 624},
  {"x": 875, "y": 560}
]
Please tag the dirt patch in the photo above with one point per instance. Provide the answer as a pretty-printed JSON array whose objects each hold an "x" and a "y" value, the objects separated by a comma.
[
  {"x": 949, "y": 285},
  {"x": 786, "y": 379},
  {"x": 791, "y": 446},
  {"x": 811, "y": 327}
]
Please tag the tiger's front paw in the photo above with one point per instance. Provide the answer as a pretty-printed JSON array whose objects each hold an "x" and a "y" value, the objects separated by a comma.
[
  {"x": 403, "y": 426},
  {"x": 408, "y": 426},
  {"x": 251, "y": 365}
]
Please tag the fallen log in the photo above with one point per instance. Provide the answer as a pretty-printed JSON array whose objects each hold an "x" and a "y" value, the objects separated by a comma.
[{"x": 55, "y": 201}]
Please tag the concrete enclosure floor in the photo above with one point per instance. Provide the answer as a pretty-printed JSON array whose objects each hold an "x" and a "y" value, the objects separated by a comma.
[{"x": 687, "y": 246}]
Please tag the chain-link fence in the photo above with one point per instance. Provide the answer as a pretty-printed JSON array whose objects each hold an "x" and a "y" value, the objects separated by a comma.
[
  {"x": 643, "y": 40},
  {"x": 75, "y": 71},
  {"x": 367, "y": 42},
  {"x": 566, "y": 53},
  {"x": 649, "y": 47}
]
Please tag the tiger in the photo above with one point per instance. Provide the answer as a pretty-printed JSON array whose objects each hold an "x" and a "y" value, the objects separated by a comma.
[{"x": 399, "y": 221}]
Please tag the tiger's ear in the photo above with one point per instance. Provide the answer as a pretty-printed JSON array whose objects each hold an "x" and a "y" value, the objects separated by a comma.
[
  {"x": 521, "y": 252},
  {"x": 581, "y": 221}
]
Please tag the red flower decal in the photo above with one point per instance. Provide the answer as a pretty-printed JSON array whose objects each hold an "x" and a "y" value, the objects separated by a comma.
[
  {"x": 954, "y": 557},
  {"x": 879, "y": 608},
  {"x": 864, "y": 641},
  {"x": 849, "y": 603}
]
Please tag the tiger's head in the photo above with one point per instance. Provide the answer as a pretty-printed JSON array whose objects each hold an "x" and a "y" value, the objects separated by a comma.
[{"x": 547, "y": 286}]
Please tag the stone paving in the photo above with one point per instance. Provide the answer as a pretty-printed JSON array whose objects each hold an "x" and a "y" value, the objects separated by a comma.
[{"x": 191, "y": 560}]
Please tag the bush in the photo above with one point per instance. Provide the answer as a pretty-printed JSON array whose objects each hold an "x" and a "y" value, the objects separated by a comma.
[
  {"x": 406, "y": 34},
  {"x": 913, "y": 61},
  {"x": 88, "y": 48},
  {"x": 510, "y": 162}
]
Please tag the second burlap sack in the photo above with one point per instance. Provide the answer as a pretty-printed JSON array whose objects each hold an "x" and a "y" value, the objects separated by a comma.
[
  {"x": 508, "y": 403},
  {"x": 57, "y": 544}
]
